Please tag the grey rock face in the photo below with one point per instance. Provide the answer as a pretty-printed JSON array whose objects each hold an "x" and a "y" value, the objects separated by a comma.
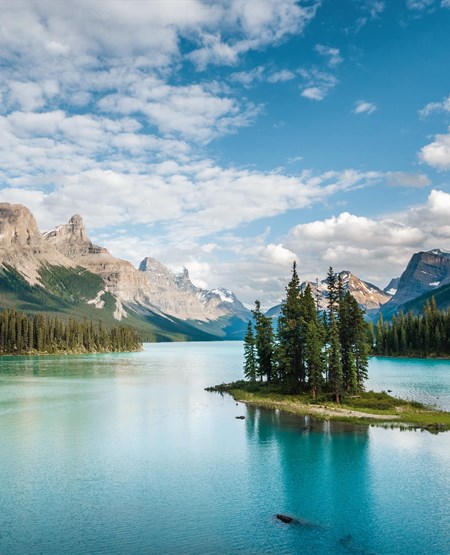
[
  {"x": 175, "y": 294},
  {"x": 424, "y": 272}
]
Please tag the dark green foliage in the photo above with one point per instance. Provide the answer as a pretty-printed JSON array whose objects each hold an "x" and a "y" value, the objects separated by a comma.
[
  {"x": 263, "y": 343},
  {"x": 290, "y": 335},
  {"x": 250, "y": 366},
  {"x": 24, "y": 334},
  {"x": 422, "y": 335},
  {"x": 334, "y": 355},
  {"x": 311, "y": 353},
  {"x": 354, "y": 344}
]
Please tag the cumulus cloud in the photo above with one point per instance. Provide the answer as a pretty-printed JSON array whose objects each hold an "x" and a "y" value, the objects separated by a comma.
[
  {"x": 419, "y": 4},
  {"x": 437, "y": 153},
  {"x": 318, "y": 83},
  {"x": 281, "y": 76},
  {"x": 358, "y": 243},
  {"x": 247, "y": 78},
  {"x": 431, "y": 107},
  {"x": 257, "y": 24},
  {"x": 405, "y": 179},
  {"x": 333, "y": 55},
  {"x": 195, "y": 112},
  {"x": 372, "y": 9},
  {"x": 364, "y": 107}
]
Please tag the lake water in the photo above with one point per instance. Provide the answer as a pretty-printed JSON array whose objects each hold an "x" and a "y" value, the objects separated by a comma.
[{"x": 127, "y": 454}]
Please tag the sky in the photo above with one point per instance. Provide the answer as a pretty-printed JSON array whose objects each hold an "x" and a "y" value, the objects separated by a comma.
[{"x": 233, "y": 137}]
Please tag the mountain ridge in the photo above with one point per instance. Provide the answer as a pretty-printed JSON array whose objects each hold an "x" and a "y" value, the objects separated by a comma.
[{"x": 25, "y": 251}]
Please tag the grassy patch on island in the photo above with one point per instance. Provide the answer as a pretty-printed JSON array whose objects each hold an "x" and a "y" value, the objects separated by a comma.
[{"x": 369, "y": 407}]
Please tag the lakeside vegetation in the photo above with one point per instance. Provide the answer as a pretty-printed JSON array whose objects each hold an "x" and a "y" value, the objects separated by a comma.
[
  {"x": 316, "y": 362},
  {"x": 21, "y": 334},
  {"x": 367, "y": 408},
  {"x": 408, "y": 335}
]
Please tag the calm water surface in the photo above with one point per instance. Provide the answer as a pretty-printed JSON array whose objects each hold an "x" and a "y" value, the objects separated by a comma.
[{"x": 127, "y": 454}]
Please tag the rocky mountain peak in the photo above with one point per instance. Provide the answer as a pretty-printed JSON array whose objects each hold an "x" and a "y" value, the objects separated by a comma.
[
  {"x": 72, "y": 240},
  {"x": 22, "y": 246},
  {"x": 152, "y": 265},
  {"x": 76, "y": 227},
  {"x": 424, "y": 272},
  {"x": 17, "y": 226}
]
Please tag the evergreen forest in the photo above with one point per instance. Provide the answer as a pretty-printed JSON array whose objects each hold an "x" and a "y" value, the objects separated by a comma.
[
  {"x": 24, "y": 334},
  {"x": 311, "y": 351},
  {"x": 424, "y": 335}
]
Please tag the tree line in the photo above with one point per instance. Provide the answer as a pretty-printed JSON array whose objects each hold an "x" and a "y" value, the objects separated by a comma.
[
  {"x": 24, "y": 334},
  {"x": 311, "y": 351},
  {"x": 424, "y": 335}
]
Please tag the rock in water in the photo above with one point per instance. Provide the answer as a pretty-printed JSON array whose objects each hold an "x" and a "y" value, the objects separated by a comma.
[{"x": 284, "y": 518}]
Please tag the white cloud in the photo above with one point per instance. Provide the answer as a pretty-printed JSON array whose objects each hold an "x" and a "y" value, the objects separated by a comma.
[
  {"x": 246, "y": 78},
  {"x": 431, "y": 107},
  {"x": 333, "y": 54},
  {"x": 419, "y": 4},
  {"x": 404, "y": 179},
  {"x": 195, "y": 112},
  {"x": 364, "y": 107},
  {"x": 281, "y": 76},
  {"x": 372, "y": 10},
  {"x": 256, "y": 25},
  {"x": 358, "y": 243},
  {"x": 314, "y": 93},
  {"x": 437, "y": 153},
  {"x": 318, "y": 83}
]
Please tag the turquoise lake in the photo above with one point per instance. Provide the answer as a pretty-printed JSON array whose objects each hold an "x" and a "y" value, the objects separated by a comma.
[{"x": 127, "y": 454}]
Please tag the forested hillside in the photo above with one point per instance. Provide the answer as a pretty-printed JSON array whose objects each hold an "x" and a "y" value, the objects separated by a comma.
[{"x": 23, "y": 334}]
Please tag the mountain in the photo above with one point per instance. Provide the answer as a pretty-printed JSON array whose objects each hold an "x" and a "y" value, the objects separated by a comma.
[
  {"x": 151, "y": 288},
  {"x": 392, "y": 286},
  {"x": 63, "y": 271},
  {"x": 425, "y": 272},
  {"x": 441, "y": 296},
  {"x": 368, "y": 296},
  {"x": 175, "y": 294}
]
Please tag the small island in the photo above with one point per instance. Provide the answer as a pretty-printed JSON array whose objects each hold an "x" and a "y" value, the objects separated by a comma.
[{"x": 316, "y": 362}]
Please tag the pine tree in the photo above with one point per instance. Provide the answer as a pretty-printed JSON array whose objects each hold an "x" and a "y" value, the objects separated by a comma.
[
  {"x": 332, "y": 292},
  {"x": 314, "y": 356},
  {"x": 290, "y": 336},
  {"x": 263, "y": 342},
  {"x": 250, "y": 366},
  {"x": 335, "y": 374}
]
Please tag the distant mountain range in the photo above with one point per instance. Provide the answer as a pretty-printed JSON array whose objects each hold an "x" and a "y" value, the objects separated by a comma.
[
  {"x": 63, "y": 272},
  {"x": 426, "y": 275},
  {"x": 368, "y": 296}
]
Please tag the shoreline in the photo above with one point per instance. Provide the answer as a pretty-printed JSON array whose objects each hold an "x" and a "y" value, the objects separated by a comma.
[
  {"x": 401, "y": 414},
  {"x": 68, "y": 353}
]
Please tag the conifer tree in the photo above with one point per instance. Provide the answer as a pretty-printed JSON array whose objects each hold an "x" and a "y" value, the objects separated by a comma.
[
  {"x": 314, "y": 356},
  {"x": 263, "y": 342},
  {"x": 250, "y": 366},
  {"x": 290, "y": 336},
  {"x": 334, "y": 360},
  {"x": 332, "y": 292}
]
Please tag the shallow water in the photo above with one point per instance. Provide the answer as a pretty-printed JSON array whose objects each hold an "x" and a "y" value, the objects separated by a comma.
[{"x": 128, "y": 454}]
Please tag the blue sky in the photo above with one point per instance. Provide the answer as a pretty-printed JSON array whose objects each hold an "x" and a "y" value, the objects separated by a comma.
[{"x": 233, "y": 137}]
